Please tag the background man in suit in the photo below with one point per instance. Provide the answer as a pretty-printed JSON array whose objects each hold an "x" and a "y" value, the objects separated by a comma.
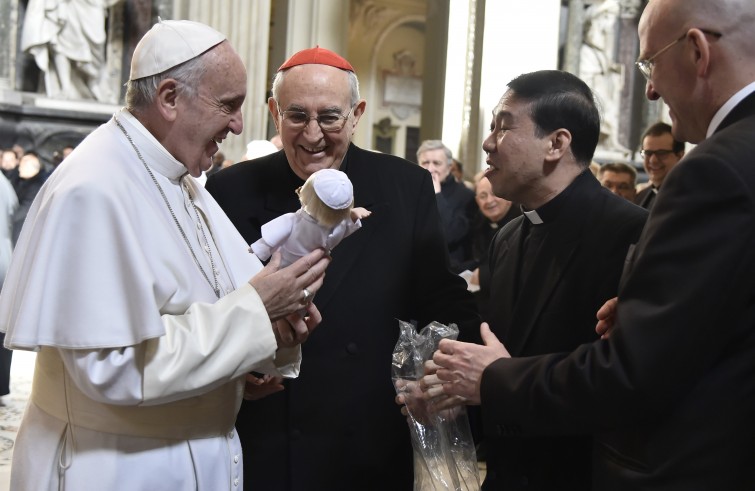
[
  {"x": 338, "y": 428},
  {"x": 660, "y": 153},
  {"x": 671, "y": 391},
  {"x": 555, "y": 266},
  {"x": 494, "y": 213},
  {"x": 456, "y": 203}
]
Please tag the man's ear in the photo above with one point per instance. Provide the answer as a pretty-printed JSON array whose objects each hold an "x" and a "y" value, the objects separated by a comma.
[
  {"x": 701, "y": 51},
  {"x": 357, "y": 113},
  {"x": 167, "y": 99},
  {"x": 272, "y": 106},
  {"x": 559, "y": 143}
]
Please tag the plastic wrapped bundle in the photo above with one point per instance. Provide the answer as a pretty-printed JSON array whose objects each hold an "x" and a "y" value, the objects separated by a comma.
[{"x": 444, "y": 452}]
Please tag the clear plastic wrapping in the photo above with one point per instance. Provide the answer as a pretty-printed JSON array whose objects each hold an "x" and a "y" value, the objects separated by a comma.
[{"x": 444, "y": 452}]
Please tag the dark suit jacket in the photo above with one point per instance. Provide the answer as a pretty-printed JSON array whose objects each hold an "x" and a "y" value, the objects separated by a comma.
[
  {"x": 585, "y": 238},
  {"x": 673, "y": 389},
  {"x": 337, "y": 426},
  {"x": 483, "y": 233},
  {"x": 646, "y": 197},
  {"x": 457, "y": 208}
]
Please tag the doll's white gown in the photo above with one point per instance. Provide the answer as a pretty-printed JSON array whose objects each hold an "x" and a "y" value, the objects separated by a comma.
[{"x": 297, "y": 234}]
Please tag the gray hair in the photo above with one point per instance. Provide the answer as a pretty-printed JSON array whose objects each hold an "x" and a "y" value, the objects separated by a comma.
[
  {"x": 141, "y": 92},
  {"x": 353, "y": 83},
  {"x": 429, "y": 145}
]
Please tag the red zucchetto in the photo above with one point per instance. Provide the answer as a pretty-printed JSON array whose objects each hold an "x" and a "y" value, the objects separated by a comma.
[{"x": 317, "y": 56}]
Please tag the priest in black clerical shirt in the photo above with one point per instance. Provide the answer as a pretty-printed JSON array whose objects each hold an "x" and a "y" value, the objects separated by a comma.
[{"x": 556, "y": 265}]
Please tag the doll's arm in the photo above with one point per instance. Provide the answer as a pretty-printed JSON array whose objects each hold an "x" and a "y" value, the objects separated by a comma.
[
  {"x": 359, "y": 213},
  {"x": 274, "y": 233}
]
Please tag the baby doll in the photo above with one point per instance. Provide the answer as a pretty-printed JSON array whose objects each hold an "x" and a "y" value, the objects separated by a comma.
[{"x": 325, "y": 218}]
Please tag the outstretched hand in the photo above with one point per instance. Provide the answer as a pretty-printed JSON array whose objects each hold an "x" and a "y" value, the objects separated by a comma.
[
  {"x": 460, "y": 367},
  {"x": 414, "y": 403}
]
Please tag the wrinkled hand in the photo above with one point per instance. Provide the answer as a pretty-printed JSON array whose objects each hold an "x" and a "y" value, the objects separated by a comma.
[
  {"x": 295, "y": 329},
  {"x": 257, "y": 388},
  {"x": 281, "y": 290},
  {"x": 414, "y": 402},
  {"x": 606, "y": 318},
  {"x": 359, "y": 213},
  {"x": 460, "y": 367},
  {"x": 411, "y": 399}
]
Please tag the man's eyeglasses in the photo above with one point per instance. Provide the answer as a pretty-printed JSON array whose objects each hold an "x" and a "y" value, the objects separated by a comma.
[
  {"x": 646, "y": 66},
  {"x": 329, "y": 122},
  {"x": 661, "y": 154}
]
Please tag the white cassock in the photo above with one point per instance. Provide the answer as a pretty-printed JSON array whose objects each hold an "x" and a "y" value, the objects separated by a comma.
[
  {"x": 297, "y": 234},
  {"x": 140, "y": 368}
]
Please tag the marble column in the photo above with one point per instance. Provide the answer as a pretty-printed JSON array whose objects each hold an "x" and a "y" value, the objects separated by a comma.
[
  {"x": 8, "y": 32},
  {"x": 470, "y": 151},
  {"x": 574, "y": 34},
  {"x": 323, "y": 22},
  {"x": 634, "y": 105},
  {"x": 433, "y": 87}
]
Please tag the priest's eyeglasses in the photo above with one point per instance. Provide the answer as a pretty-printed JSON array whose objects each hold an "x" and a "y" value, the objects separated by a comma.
[
  {"x": 329, "y": 122},
  {"x": 646, "y": 66},
  {"x": 660, "y": 154}
]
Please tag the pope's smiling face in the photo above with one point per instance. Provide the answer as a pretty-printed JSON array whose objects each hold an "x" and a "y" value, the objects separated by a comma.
[{"x": 204, "y": 119}]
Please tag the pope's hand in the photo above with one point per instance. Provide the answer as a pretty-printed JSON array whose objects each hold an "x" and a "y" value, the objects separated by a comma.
[
  {"x": 257, "y": 388},
  {"x": 295, "y": 329},
  {"x": 283, "y": 290}
]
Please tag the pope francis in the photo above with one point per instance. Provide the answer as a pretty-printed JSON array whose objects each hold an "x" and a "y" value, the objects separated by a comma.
[{"x": 142, "y": 301}]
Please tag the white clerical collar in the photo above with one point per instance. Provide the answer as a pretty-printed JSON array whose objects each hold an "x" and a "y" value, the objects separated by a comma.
[
  {"x": 724, "y": 110},
  {"x": 155, "y": 155},
  {"x": 533, "y": 217}
]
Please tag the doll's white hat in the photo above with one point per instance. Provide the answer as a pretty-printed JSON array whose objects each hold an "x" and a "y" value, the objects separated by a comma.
[
  {"x": 333, "y": 188},
  {"x": 170, "y": 43}
]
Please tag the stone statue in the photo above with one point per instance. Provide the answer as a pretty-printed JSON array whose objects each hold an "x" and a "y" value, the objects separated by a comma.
[
  {"x": 67, "y": 39},
  {"x": 600, "y": 71}
]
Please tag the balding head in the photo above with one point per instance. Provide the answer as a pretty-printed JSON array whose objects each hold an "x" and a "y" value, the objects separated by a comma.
[{"x": 708, "y": 59}]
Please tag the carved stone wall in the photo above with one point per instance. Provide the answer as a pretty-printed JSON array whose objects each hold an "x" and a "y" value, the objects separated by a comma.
[
  {"x": 46, "y": 124},
  {"x": 8, "y": 20}
]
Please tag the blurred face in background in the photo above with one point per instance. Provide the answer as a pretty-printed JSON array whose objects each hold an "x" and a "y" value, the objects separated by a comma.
[
  {"x": 436, "y": 162},
  {"x": 659, "y": 156},
  {"x": 619, "y": 183},
  {"x": 493, "y": 207},
  {"x": 9, "y": 160},
  {"x": 29, "y": 166}
]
